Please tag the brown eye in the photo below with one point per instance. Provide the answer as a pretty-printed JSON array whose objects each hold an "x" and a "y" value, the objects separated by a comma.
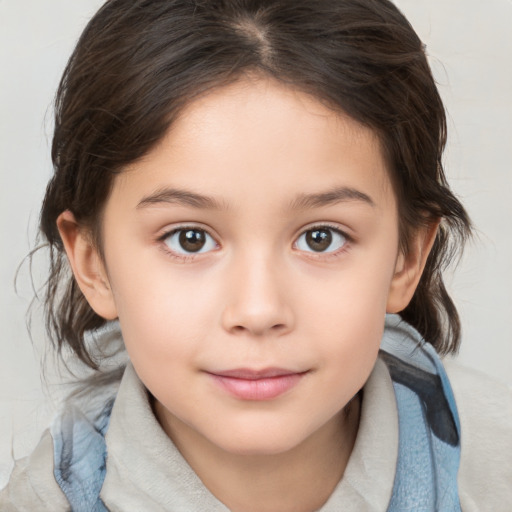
[
  {"x": 322, "y": 239},
  {"x": 319, "y": 240},
  {"x": 190, "y": 241}
]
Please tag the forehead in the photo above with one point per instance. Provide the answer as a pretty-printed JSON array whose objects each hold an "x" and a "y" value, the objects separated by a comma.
[{"x": 257, "y": 137}]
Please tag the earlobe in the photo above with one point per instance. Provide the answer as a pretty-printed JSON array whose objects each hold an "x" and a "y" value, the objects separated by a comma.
[
  {"x": 87, "y": 266},
  {"x": 409, "y": 268}
]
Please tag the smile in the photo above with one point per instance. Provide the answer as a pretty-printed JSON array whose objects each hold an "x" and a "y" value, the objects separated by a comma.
[{"x": 258, "y": 385}]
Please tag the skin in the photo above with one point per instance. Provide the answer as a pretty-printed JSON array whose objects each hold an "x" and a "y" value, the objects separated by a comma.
[{"x": 257, "y": 296}]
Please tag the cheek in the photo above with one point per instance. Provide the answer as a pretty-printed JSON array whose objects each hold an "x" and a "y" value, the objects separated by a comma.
[
  {"x": 352, "y": 343},
  {"x": 163, "y": 315},
  {"x": 355, "y": 294},
  {"x": 348, "y": 312}
]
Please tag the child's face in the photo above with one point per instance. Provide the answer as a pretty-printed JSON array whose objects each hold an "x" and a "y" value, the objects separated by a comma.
[{"x": 286, "y": 264}]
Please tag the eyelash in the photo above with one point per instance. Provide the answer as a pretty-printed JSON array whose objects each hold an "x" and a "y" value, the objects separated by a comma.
[
  {"x": 311, "y": 254},
  {"x": 326, "y": 255},
  {"x": 181, "y": 257}
]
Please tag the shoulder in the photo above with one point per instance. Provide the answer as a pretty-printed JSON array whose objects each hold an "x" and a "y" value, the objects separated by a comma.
[
  {"x": 76, "y": 440},
  {"x": 32, "y": 485},
  {"x": 485, "y": 412}
]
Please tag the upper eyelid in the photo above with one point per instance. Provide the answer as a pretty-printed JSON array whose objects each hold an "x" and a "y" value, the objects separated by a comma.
[
  {"x": 166, "y": 232},
  {"x": 320, "y": 225}
]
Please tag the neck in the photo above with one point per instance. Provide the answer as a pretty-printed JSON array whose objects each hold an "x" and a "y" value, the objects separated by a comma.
[{"x": 299, "y": 480}]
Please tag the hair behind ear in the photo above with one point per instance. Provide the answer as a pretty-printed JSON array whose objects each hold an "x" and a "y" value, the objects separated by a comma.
[{"x": 431, "y": 310}]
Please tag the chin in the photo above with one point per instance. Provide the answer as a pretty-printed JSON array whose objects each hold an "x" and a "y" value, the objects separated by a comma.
[{"x": 265, "y": 442}]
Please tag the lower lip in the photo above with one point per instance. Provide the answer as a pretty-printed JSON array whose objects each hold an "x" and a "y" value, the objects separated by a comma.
[{"x": 258, "y": 389}]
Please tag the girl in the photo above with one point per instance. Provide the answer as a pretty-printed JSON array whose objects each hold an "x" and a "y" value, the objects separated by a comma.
[{"x": 243, "y": 190}]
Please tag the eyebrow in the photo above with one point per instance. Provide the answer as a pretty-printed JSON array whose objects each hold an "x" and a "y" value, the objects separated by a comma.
[
  {"x": 181, "y": 197},
  {"x": 301, "y": 202},
  {"x": 337, "y": 195}
]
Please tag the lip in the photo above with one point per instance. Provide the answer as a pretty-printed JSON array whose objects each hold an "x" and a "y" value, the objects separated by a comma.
[{"x": 258, "y": 385}]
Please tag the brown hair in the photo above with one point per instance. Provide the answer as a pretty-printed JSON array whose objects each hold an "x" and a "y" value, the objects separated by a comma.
[{"x": 139, "y": 62}]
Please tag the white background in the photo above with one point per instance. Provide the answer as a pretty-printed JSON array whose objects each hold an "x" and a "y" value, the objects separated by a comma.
[{"x": 469, "y": 43}]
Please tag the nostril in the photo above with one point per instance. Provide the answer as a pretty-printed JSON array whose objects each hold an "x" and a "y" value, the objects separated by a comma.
[
  {"x": 258, "y": 317},
  {"x": 239, "y": 329}
]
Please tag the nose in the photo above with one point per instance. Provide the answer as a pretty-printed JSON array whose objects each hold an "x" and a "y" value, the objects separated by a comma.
[{"x": 257, "y": 301}]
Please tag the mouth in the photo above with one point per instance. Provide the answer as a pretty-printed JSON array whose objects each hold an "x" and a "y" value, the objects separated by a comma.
[{"x": 257, "y": 385}]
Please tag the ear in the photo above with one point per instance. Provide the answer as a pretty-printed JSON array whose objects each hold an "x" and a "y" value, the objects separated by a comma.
[
  {"x": 408, "y": 268},
  {"x": 87, "y": 266}
]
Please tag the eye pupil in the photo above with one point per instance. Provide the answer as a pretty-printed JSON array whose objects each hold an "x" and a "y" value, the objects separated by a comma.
[
  {"x": 319, "y": 239},
  {"x": 192, "y": 240}
]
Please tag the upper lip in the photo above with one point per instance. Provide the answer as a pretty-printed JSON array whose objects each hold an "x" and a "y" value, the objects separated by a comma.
[{"x": 251, "y": 374}]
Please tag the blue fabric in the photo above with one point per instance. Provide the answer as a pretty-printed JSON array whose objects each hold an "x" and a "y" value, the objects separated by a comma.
[
  {"x": 429, "y": 428},
  {"x": 429, "y": 434},
  {"x": 80, "y": 457}
]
